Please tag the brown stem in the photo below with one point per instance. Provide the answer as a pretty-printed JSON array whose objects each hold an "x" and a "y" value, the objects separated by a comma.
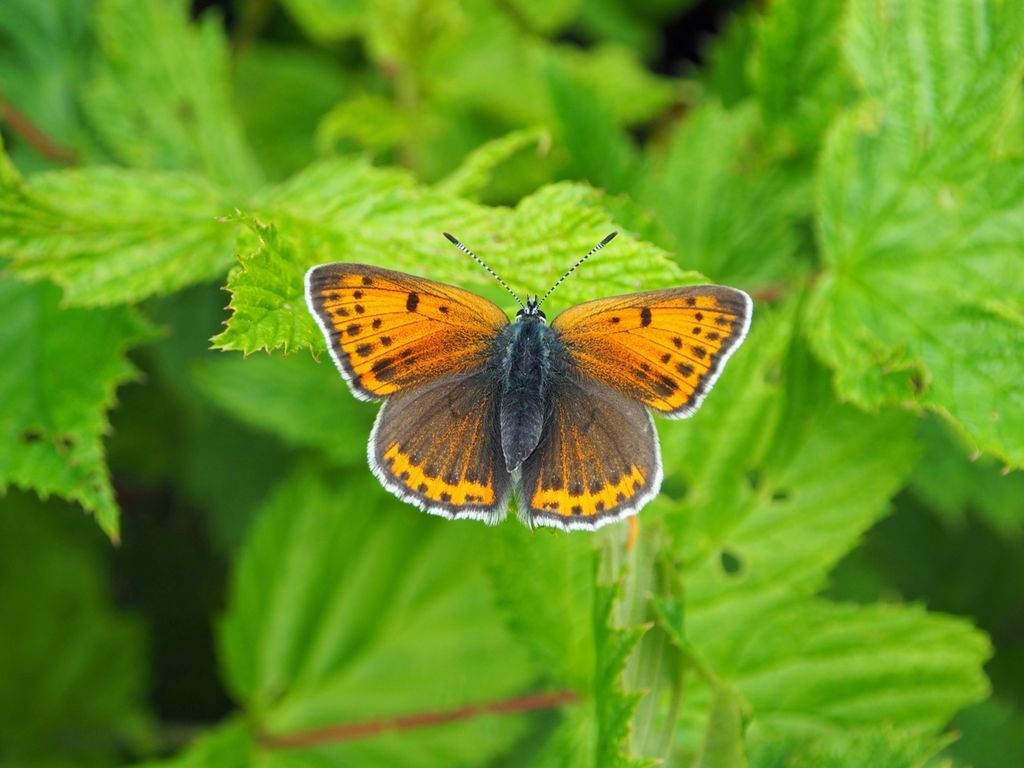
[
  {"x": 773, "y": 292},
  {"x": 350, "y": 731},
  {"x": 31, "y": 133}
]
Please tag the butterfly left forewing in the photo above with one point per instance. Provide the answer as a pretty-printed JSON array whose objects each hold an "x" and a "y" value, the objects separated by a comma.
[
  {"x": 597, "y": 462},
  {"x": 388, "y": 331},
  {"x": 663, "y": 348}
]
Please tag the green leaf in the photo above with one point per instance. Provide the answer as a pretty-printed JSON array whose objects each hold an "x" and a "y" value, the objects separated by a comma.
[
  {"x": 550, "y": 613},
  {"x": 817, "y": 666},
  {"x": 110, "y": 236},
  {"x": 308, "y": 81},
  {"x": 563, "y": 616},
  {"x": 160, "y": 99},
  {"x": 329, "y": 19},
  {"x": 74, "y": 668},
  {"x": 723, "y": 739},
  {"x": 306, "y": 404},
  {"x": 617, "y": 78},
  {"x": 614, "y": 706},
  {"x": 725, "y": 77},
  {"x": 991, "y": 735},
  {"x": 950, "y": 482},
  {"x": 545, "y": 16},
  {"x": 61, "y": 368},
  {"x": 599, "y": 150},
  {"x": 772, "y": 500},
  {"x": 798, "y": 78},
  {"x": 921, "y": 212},
  {"x": 349, "y": 210},
  {"x": 780, "y": 481},
  {"x": 376, "y": 611},
  {"x": 227, "y": 746},
  {"x": 728, "y": 213},
  {"x": 44, "y": 52},
  {"x": 478, "y": 169},
  {"x": 876, "y": 747}
]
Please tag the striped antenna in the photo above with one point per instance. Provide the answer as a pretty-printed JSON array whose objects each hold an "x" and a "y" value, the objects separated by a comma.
[
  {"x": 572, "y": 269},
  {"x": 479, "y": 261}
]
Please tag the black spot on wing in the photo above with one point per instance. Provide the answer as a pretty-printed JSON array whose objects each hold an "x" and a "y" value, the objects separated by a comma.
[
  {"x": 412, "y": 302},
  {"x": 384, "y": 369}
]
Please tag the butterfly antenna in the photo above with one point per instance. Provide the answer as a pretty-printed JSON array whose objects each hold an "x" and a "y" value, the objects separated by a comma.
[
  {"x": 573, "y": 268},
  {"x": 480, "y": 261}
]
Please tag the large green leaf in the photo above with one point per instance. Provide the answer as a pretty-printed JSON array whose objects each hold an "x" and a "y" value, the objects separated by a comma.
[
  {"x": 44, "y": 53},
  {"x": 373, "y": 611},
  {"x": 74, "y": 668},
  {"x": 798, "y": 80},
  {"x": 778, "y": 481},
  {"x": 349, "y": 211},
  {"x": 880, "y": 747},
  {"x": 817, "y": 667},
  {"x": 563, "y": 616},
  {"x": 266, "y": 76},
  {"x": 729, "y": 213},
  {"x": 61, "y": 369},
  {"x": 108, "y": 236},
  {"x": 304, "y": 403},
  {"x": 160, "y": 99},
  {"x": 921, "y": 213},
  {"x": 952, "y": 483}
]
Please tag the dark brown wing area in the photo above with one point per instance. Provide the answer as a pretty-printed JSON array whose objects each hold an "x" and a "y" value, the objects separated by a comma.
[
  {"x": 597, "y": 462},
  {"x": 387, "y": 331},
  {"x": 438, "y": 447},
  {"x": 664, "y": 348}
]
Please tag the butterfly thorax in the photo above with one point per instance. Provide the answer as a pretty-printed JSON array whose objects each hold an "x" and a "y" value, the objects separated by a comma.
[{"x": 529, "y": 357}]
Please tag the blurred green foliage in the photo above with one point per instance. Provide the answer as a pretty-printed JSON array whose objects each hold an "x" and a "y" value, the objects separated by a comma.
[{"x": 832, "y": 575}]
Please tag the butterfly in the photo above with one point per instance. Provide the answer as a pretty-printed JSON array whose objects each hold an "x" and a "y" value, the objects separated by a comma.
[{"x": 477, "y": 408}]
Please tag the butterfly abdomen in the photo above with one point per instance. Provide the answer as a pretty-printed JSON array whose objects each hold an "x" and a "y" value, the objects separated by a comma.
[{"x": 528, "y": 354}]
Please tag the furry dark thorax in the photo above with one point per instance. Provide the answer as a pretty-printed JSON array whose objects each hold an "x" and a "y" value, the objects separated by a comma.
[{"x": 530, "y": 357}]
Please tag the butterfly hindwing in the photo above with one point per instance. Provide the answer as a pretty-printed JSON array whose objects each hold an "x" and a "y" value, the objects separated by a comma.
[
  {"x": 387, "y": 330},
  {"x": 663, "y": 348},
  {"x": 438, "y": 447},
  {"x": 597, "y": 462}
]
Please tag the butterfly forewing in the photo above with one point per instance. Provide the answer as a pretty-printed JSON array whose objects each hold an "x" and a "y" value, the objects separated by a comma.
[
  {"x": 437, "y": 447},
  {"x": 597, "y": 462},
  {"x": 388, "y": 331},
  {"x": 663, "y": 348}
]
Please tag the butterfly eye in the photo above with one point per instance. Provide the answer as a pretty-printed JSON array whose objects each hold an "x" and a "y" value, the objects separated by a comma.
[{"x": 520, "y": 313}]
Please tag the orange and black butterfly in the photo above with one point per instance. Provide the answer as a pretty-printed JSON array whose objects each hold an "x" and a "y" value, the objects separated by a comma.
[{"x": 477, "y": 407}]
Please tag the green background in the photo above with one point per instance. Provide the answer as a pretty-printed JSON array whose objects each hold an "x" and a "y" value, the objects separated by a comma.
[{"x": 833, "y": 574}]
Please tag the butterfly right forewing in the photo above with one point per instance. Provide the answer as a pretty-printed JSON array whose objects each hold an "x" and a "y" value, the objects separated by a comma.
[{"x": 663, "y": 348}]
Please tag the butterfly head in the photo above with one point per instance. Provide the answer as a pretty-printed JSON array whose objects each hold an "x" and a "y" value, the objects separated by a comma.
[{"x": 531, "y": 310}]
